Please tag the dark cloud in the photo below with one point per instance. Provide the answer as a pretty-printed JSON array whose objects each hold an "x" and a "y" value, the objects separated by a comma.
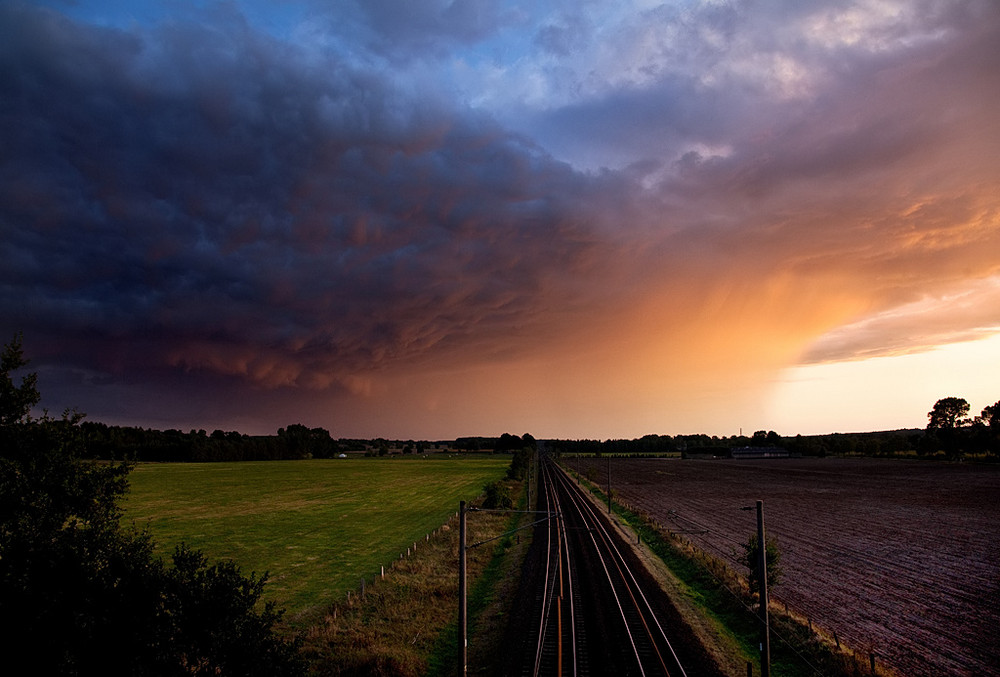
[
  {"x": 401, "y": 32},
  {"x": 207, "y": 201},
  {"x": 196, "y": 208}
]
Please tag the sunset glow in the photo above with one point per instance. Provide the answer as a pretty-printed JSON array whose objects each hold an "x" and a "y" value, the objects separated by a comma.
[{"x": 434, "y": 219}]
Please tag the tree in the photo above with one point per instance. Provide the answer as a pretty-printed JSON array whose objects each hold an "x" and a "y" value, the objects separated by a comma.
[
  {"x": 508, "y": 442},
  {"x": 772, "y": 558},
  {"x": 767, "y": 438},
  {"x": 214, "y": 624},
  {"x": 990, "y": 417},
  {"x": 987, "y": 429},
  {"x": 80, "y": 594},
  {"x": 520, "y": 463},
  {"x": 948, "y": 413},
  {"x": 945, "y": 425},
  {"x": 16, "y": 401}
]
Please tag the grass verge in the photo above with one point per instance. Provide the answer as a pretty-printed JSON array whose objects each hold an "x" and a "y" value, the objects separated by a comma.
[{"x": 406, "y": 624}]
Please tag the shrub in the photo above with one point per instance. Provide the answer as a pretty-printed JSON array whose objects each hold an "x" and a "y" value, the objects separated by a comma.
[{"x": 497, "y": 497}]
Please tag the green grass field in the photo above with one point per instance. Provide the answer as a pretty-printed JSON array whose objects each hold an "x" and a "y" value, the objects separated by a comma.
[{"x": 316, "y": 526}]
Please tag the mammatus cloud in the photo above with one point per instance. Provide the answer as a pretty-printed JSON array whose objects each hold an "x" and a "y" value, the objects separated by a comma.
[
  {"x": 237, "y": 212},
  {"x": 613, "y": 205}
]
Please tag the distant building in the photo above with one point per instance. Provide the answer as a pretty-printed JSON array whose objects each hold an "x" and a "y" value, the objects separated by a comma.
[
  {"x": 705, "y": 453},
  {"x": 759, "y": 452}
]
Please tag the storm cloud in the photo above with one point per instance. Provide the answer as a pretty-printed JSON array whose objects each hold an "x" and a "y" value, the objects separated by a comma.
[
  {"x": 228, "y": 207},
  {"x": 196, "y": 204}
]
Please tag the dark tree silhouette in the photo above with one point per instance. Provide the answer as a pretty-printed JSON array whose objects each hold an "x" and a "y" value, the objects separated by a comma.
[
  {"x": 772, "y": 558},
  {"x": 80, "y": 595},
  {"x": 948, "y": 412}
]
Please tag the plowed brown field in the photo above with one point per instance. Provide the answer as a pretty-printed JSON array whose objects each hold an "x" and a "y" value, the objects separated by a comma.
[{"x": 897, "y": 557}]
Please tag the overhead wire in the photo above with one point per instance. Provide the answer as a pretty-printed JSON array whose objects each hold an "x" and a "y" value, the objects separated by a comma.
[{"x": 738, "y": 597}]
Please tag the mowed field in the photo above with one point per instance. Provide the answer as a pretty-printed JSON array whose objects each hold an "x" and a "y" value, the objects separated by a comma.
[
  {"x": 897, "y": 557},
  {"x": 316, "y": 526}
]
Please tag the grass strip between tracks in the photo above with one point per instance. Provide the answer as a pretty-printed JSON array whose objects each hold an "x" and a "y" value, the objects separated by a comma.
[{"x": 720, "y": 595}]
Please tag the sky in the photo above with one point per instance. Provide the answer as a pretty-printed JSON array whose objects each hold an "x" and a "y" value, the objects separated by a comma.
[{"x": 579, "y": 219}]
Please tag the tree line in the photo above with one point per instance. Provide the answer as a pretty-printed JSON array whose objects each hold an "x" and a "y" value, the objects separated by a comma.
[
  {"x": 294, "y": 442},
  {"x": 141, "y": 444},
  {"x": 666, "y": 445},
  {"x": 950, "y": 432}
]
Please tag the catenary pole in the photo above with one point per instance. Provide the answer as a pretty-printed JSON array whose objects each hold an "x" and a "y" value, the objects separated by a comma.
[
  {"x": 559, "y": 651},
  {"x": 765, "y": 636},
  {"x": 464, "y": 639}
]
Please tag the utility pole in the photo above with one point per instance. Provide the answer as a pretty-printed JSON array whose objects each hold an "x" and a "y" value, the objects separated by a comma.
[
  {"x": 765, "y": 635},
  {"x": 531, "y": 462},
  {"x": 462, "y": 620},
  {"x": 559, "y": 651},
  {"x": 609, "y": 485}
]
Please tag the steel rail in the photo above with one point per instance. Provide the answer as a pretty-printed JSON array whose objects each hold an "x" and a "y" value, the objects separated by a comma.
[
  {"x": 572, "y": 593},
  {"x": 559, "y": 579},
  {"x": 635, "y": 588},
  {"x": 566, "y": 583},
  {"x": 638, "y": 588},
  {"x": 544, "y": 615},
  {"x": 632, "y": 596},
  {"x": 587, "y": 519}
]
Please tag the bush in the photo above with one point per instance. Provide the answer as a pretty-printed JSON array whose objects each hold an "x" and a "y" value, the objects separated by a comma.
[
  {"x": 772, "y": 560},
  {"x": 498, "y": 497}
]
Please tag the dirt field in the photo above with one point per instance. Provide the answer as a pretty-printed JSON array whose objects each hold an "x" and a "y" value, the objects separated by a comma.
[{"x": 897, "y": 557}]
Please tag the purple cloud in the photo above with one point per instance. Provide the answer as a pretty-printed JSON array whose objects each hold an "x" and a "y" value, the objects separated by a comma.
[{"x": 198, "y": 205}]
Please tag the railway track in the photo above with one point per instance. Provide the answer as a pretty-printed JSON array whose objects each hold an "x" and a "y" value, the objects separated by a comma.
[{"x": 596, "y": 611}]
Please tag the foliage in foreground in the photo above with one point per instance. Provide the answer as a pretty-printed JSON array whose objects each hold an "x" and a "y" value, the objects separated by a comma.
[
  {"x": 497, "y": 496},
  {"x": 750, "y": 557},
  {"x": 80, "y": 595}
]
